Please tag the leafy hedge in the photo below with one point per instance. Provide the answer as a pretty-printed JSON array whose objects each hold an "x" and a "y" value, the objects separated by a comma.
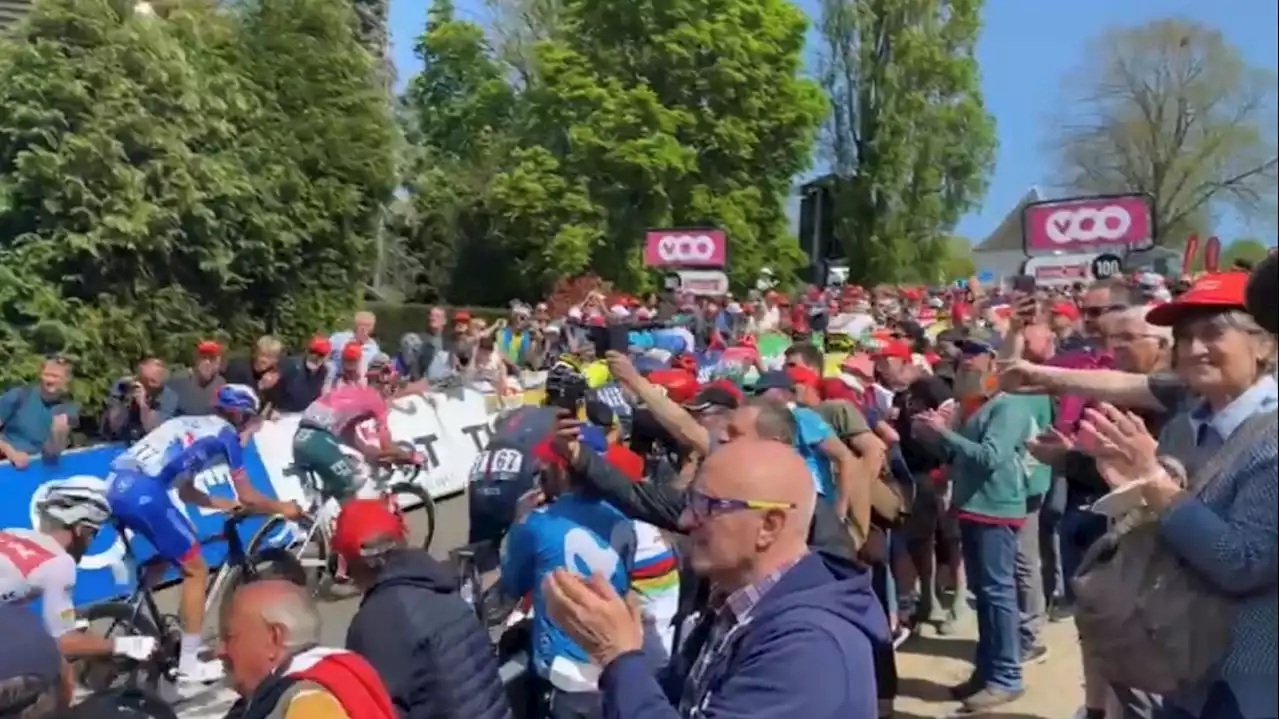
[
  {"x": 220, "y": 170},
  {"x": 394, "y": 320}
]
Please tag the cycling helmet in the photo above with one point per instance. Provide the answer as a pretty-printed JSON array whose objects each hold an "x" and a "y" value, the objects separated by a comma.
[
  {"x": 381, "y": 368},
  {"x": 82, "y": 500},
  {"x": 686, "y": 362},
  {"x": 237, "y": 398},
  {"x": 367, "y": 528}
]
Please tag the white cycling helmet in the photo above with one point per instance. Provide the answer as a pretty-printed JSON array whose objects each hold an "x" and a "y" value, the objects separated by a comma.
[{"x": 77, "y": 501}]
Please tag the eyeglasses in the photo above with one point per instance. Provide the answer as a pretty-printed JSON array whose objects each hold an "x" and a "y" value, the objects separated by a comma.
[
  {"x": 1094, "y": 313},
  {"x": 703, "y": 506}
]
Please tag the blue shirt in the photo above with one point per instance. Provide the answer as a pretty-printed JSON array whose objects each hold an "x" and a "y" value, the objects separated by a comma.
[
  {"x": 337, "y": 341},
  {"x": 182, "y": 447},
  {"x": 26, "y": 418},
  {"x": 586, "y": 536},
  {"x": 811, "y": 431}
]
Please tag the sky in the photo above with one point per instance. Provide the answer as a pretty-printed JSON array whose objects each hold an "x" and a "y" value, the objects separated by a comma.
[{"x": 1027, "y": 49}]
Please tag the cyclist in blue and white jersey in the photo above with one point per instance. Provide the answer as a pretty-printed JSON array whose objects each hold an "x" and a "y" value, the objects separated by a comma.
[
  {"x": 170, "y": 457},
  {"x": 584, "y": 535}
]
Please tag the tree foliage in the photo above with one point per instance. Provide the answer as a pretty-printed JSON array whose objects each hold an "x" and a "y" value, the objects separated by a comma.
[
  {"x": 214, "y": 171},
  {"x": 1170, "y": 108},
  {"x": 1244, "y": 250},
  {"x": 909, "y": 138},
  {"x": 621, "y": 118}
]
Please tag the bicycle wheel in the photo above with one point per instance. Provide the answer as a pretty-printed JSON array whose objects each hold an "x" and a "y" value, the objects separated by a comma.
[
  {"x": 107, "y": 672},
  {"x": 408, "y": 494},
  {"x": 280, "y": 551}
]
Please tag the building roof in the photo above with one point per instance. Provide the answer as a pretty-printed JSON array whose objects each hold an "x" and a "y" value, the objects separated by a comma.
[{"x": 1008, "y": 235}]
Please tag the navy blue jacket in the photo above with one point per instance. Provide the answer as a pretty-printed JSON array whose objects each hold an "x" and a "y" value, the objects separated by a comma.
[
  {"x": 804, "y": 651},
  {"x": 427, "y": 644}
]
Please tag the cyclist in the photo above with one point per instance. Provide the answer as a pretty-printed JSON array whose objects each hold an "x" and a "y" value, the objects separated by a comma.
[
  {"x": 41, "y": 564},
  {"x": 505, "y": 471},
  {"x": 171, "y": 455},
  {"x": 334, "y": 419}
]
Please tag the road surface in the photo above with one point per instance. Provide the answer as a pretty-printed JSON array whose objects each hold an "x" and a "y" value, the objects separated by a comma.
[{"x": 926, "y": 665}]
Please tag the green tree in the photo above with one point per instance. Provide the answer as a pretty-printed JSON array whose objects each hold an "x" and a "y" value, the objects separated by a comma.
[
  {"x": 1244, "y": 250},
  {"x": 212, "y": 172},
  {"x": 958, "y": 262},
  {"x": 1171, "y": 109},
  {"x": 909, "y": 136},
  {"x": 680, "y": 113}
]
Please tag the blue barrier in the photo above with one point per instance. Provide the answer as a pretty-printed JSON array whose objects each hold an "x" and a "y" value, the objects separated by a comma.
[{"x": 100, "y": 575}]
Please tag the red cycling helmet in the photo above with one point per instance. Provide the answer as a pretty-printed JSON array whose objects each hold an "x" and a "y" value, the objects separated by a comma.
[
  {"x": 367, "y": 528},
  {"x": 681, "y": 386},
  {"x": 686, "y": 362}
]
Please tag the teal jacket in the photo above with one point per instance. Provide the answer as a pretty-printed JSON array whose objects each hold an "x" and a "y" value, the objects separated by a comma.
[{"x": 991, "y": 472}]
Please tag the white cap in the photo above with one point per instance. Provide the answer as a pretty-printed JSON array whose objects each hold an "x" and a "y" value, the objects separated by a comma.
[
  {"x": 575, "y": 313},
  {"x": 733, "y": 308},
  {"x": 644, "y": 313},
  {"x": 1150, "y": 279},
  {"x": 619, "y": 311}
]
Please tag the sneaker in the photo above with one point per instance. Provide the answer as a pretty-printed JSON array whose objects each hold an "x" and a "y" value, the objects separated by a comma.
[
  {"x": 900, "y": 635},
  {"x": 989, "y": 698},
  {"x": 1061, "y": 612},
  {"x": 204, "y": 672},
  {"x": 965, "y": 689},
  {"x": 1035, "y": 654}
]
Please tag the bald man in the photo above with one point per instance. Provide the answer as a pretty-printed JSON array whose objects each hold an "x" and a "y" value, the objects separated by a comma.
[
  {"x": 270, "y": 632},
  {"x": 793, "y": 630}
]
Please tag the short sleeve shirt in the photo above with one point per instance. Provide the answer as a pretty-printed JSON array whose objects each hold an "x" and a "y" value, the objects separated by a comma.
[
  {"x": 844, "y": 418},
  {"x": 811, "y": 432}
]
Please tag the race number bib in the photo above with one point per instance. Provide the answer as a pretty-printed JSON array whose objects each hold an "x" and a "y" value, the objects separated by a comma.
[{"x": 497, "y": 463}]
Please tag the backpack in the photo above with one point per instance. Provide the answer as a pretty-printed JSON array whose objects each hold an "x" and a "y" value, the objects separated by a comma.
[{"x": 1146, "y": 619}]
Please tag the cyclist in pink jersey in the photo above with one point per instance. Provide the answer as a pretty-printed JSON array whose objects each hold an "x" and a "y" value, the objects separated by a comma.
[{"x": 334, "y": 420}]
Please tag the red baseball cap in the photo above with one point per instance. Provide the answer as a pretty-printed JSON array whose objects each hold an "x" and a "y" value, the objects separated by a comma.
[
  {"x": 895, "y": 348},
  {"x": 626, "y": 461},
  {"x": 209, "y": 348},
  {"x": 1220, "y": 291},
  {"x": 803, "y": 376},
  {"x": 366, "y": 527},
  {"x": 319, "y": 345},
  {"x": 352, "y": 351},
  {"x": 462, "y": 316},
  {"x": 1066, "y": 309}
]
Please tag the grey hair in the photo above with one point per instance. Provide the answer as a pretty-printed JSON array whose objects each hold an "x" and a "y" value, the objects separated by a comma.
[
  {"x": 774, "y": 419},
  {"x": 1244, "y": 322},
  {"x": 1138, "y": 313},
  {"x": 294, "y": 610}
]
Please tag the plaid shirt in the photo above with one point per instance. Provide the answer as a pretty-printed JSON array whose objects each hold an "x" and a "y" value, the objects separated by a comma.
[{"x": 730, "y": 612}]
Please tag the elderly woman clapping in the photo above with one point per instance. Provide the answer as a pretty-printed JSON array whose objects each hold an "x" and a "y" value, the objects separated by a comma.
[{"x": 1224, "y": 526}]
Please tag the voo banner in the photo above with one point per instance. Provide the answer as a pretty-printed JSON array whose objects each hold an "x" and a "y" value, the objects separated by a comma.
[{"x": 1082, "y": 223}]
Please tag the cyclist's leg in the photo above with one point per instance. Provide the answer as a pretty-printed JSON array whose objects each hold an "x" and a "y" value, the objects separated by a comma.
[
  {"x": 320, "y": 452},
  {"x": 143, "y": 505}
]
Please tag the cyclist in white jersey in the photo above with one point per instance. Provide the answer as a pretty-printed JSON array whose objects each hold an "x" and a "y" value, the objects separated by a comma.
[{"x": 40, "y": 564}]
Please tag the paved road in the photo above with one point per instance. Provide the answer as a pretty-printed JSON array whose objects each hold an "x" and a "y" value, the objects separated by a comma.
[{"x": 927, "y": 665}]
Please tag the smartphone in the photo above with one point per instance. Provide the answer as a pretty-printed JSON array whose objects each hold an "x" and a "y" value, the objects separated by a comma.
[
  {"x": 618, "y": 338},
  {"x": 1026, "y": 284}
]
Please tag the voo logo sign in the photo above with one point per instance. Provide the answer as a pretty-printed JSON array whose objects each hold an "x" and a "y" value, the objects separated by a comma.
[
  {"x": 1084, "y": 223},
  {"x": 685, "y": 248}
]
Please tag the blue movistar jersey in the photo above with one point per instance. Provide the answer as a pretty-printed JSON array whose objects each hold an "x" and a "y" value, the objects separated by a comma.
[
  {"x": 180, "y": 448},
  {"x": 586, "y": 536}
]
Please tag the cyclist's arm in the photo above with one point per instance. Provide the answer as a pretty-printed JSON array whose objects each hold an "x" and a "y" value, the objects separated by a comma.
[
  {"x": 56, "y": 579},
  {"x": 227, "y": 444},
  {"x": 387, "y": 449}
]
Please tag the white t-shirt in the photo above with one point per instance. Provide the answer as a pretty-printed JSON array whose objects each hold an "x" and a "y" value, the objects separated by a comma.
[
  {"x": 770, "y": 319},
  {"x": 851, "y": 324},
  {"x": 34, "y": 566}
]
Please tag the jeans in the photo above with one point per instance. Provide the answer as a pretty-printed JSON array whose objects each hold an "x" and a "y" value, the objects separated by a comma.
[
  {"x": 886, "y": 662},
  {"x": 1080, "y": 528},
  {"x": 1031, "y": 599},
  {"x": 990, "y": 553},
  {"x": 1051, "y": 575}
]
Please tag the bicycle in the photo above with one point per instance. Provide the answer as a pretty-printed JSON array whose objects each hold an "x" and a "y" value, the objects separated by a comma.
[
  {"x": 308, "y": 540},
  {"x": 139, "y": 614}
]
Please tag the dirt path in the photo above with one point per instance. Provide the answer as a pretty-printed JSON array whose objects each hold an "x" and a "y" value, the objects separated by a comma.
[{"x": 928, "y": 664}]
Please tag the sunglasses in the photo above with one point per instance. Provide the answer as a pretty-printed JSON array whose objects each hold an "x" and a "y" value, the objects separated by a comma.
[
  {"x": 1096, "y": 312},
  {"x": 703, "y": 506}
]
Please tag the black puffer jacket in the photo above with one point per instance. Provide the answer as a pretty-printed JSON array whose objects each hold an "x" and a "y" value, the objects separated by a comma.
[{"x": 427, "y": 644}]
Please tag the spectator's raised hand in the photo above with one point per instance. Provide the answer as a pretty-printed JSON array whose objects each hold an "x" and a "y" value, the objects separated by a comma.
[
  {"x": 930, "y": 423},
  {"x": 568, "y": 430},
  {"x": 621, "y": 368},
  {"x": 1050, "y": 447},
  {"x": 601, "y": 622},
  {"x": 1020, "y": 376},
  {"x": 1120, "y": 443}
]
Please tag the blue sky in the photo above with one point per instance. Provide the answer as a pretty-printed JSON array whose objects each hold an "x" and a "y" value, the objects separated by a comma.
[{"x": 1027, "y": 48}]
